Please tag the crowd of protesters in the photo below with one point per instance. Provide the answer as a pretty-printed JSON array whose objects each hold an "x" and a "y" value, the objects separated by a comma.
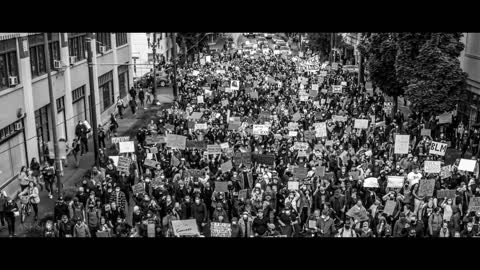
[{"x": 335, "y": 203}]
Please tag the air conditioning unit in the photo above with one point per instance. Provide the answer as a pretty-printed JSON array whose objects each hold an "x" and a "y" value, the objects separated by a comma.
[
  {"x": 103, "y": 49},
  {"x": 12, "y": 80},
  {"x": 57, "y": 64},
  {"x": 18, "y": 125},
  {"x": 73, "y": 59}
]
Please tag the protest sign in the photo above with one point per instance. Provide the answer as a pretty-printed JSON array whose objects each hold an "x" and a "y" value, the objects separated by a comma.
[
  {"x": 227, "y": 166},
  {"x": 300, "y": 146},
  {"x": 432, "y": 166},
  {"x": 343, "y": 83},
  {"x": 214, "y": 149},
  {"x": 176, "y": 141},
  {"x": 321, "y": 129},
  {"x": 355, "y": 175},
  {"x": 300, "y": 173},
  {"x": 120, "y": 139},
  {"x": 336, "y": 89},
  {"x": 196, "y": 115},
  {"x": 334, "y": 66},
  {"x": 154, "y": 139},
  {"x": 208, "y": 58},
  {"x": 371, "y": 182},
  {"x": 361, "y": 123},
  {"x": 389, "y": 207},
  {"x": 339, "y": 118},
  {"x": 467, "y": 165},
  {"x": 328, "y": 143},
  {"x": 293, "y": 185},
  {"x": 445, "y": 118},
  {"x": 114, "y": 159},
  {"x": 426, "y": 187},
  {"x": 312, "y": 224},
  {"x": 426, "y": 132},
  {"x": 296, "y": 117},
  {"x": 292, "y": 133},
  {"x": 474, "y": 204},
  {"x": 260, "y": 130},
  {"x": 323, "y": 73},
  {"x": 218, "y": 229},
  {"x": 124, "y": 164},
  {"x": 309, "y": 135},
  {"x": 292, "y": 126},
  {"x": 357, "y": 213},
  {"x": 201, "y": 126},
  {"x": 401, "y": 144},
  {"x": 445, "y": 172},
  {"x": 320, "y": 171},
  {"x": 224, "y": 102},
  {"x": 202, "y": 61},
  {"x": 200, "y": 145},
  {"x": 127, "y": 147},
  {"x": 446, "y": 193},
  {"x": 438, "y": 148},
  {"x": 138, "y": 188},
  {"x": 150, "y": 163},
  {"x": 395, "y": 181},
  {"x": 245, "y": 158},
  {"x": 221, "y": 186},
  {"x": 235, "y": 85},
  {"x": 224, "y": 145},
  {"x": 199, "y": 99},
  {"x": 195, "y": 172},
  {"x": 186, "y": 227},
  {"x": 254, "y": 95},
  {"x": 304, "y": 98},
  {"x": 243, "y": 194},
  {"x": 315, "y": 87},
  {"x": 267, "y": 159}
]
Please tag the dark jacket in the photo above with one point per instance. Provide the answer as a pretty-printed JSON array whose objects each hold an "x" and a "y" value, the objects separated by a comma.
[
  {"x": 60, "y": 210},
  {"x": 259, "y": 226},
  {"x": 200, "y": 212}
]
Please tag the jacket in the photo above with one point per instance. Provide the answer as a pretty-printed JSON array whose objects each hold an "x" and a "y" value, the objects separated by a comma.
[
  {"x": 200, "y": 212},
  {"x": 93, "y": 218},
  {"x": 81, "y": 230},
  {"x": 259, "y": 226},
  {"x": 434, "y": 222},
  {"x": 327, "y": 227},
  {"x": 249, "y": 231},
  {"x": 236, "y": 231},
  {"x": 120, "y": 199}
]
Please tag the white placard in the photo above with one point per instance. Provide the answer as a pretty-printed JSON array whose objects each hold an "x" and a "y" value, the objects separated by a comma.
[
  {"x": 292, "y": 133},
  {"x": 320, "y": 129},
  {"x": 371, "y": 182},
  {"x": 432, "y": 166},
  {"x": 208, "y": 58},
  {"x": 224, "y": 145},
  {"x": 300, "y": 146},
  {"x": 401, "y": 144},
  {"x": 361, "y": 123},
  {"x": 260, "y": 130},
  {"x": 127, "y": 147},
  {"x": 201, "y": 126},
  {"x": 343, "y": 83},
  {"x": 199, "y": 99},
  {"x": 467, "y": 165},
  {"x": 438, "y": 148},
  {"x": 315, "y": 87},
  {"x": 235, "y": 85},
  {"x": 120, "y": 139},
  {"x": 115, "y": 160},
  {"x": 195, "y": 73},
  {"x": 395, "y": 181},
  {"x": 336, "y": 89},
  {"x": 304, "y": 98}
]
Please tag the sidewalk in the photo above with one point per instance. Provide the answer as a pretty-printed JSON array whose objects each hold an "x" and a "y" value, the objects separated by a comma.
[{"x": 72, "y": 176}]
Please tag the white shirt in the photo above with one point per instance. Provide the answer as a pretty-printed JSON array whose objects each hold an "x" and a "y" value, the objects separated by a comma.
[{"x": 414, "y": 178}]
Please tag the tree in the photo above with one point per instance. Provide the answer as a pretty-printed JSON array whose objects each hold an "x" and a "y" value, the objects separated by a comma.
[
  {"x": 380, "y": 50},
  {"x": 192, "y": 43},
  {"x": 428, "y": 64},
  {"x": 321, "y": 42}
]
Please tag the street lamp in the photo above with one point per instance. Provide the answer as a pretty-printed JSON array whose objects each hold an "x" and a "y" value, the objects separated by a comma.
[{"x": 154, "y": 42}]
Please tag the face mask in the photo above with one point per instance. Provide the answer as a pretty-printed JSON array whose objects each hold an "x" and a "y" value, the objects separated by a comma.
[{"x": 347, "y": 227}]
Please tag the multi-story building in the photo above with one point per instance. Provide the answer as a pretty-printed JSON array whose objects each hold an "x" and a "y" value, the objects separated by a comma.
[
  {"x": 25, "y": 122},
  {"x": 469, "y": 113}
]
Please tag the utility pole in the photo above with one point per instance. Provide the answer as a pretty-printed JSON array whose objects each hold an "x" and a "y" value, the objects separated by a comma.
[
  {"x": 154, "y": 51},
  {"x": 361, "y": 79},
  {"x": 331, "y": 47},
  {"x": 90, "y": 37},
  {"x": 53, "y": 116},
  {"x": 174, "y": 66}
]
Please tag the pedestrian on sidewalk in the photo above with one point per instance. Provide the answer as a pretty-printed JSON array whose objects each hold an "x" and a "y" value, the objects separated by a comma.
[
  {"x": 33, "y": 197},
  {"x": 81, "y": 132},
  {"x": 113, "y": 125},
  {"x": 11, "y": 211},
  {"x": 120, "y": 106},
  {"x": 133, "y": 105},
  {"x": 3, "y": 202},
  {"x": 141, "y": 97},
  {"x": 23, "y": 178},
  {"x": 149, "y": 96},
  {"x": 133, "y": 93},
  {"x": 75, "y": 150},
  {"x": 48, "y": 173},
  {"x": 101, "y": 137},
  {"x": 35, "y": 168}
]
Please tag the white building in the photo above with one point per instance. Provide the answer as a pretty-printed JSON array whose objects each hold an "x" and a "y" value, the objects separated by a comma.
[{"x": 24, "y": 97}]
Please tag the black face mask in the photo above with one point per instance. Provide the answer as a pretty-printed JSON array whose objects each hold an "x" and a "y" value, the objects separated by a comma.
[{"x": 347, "y": 227}]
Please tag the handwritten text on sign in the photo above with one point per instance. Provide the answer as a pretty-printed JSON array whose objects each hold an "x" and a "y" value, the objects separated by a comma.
[
  {"x": 432, "y": 166},
  {"x": 401, "y": 144},
  {"x": 260, "y": 130},
  {"x": 438, "y": 148}
]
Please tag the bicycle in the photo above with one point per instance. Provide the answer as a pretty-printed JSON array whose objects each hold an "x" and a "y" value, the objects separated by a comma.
[{"x": 26, "y": 208}]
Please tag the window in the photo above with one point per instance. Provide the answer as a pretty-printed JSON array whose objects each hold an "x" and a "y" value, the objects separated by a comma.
[
  {"x": 472, "y": 46},
  {"x": 104, "y": 39},
  {"x": 121, "y": 39},
  {"x": 42, "y": 126},
  {"x": 78, "y": 93},
  {"x": 123, "y": 80},
  {"x": 8, "y": 67},
  {"x": 105, "y": 87},
  {"x": 37, "y": 53},
  {"x": 60, "y": 104},
  {"x": 77, "y": 45},
  {"x": 12, "y": 157}
]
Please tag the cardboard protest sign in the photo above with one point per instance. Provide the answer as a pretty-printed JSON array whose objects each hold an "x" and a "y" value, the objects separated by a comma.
[
  {"x": 446, "y": 193},
  {"x": 186, "y": 227},
  {"x": 199, "y": 99},
  {"x": 224, "y": 145},
  {"x": 124, "y": 164},
  {"x": 127, "y": 147},
  {"x": 293, "y": 185},
  {"x": 227, "y": 166},
  {"x": 267, "y": 159},
  {"x": 467, "y": 165},
  {"x": 300, "y": 146},
  {"x": 426, "y": 132},
  {"x": 150, "y": 163},
  {"x": 292, "y": 126},
  {"x": 114, "y": 159},
  {"x": 300, "y": 173},
  {"x": 432, "y": 166},
  {"x": 309, "y": 135},
  {"x": 235, "y": 85},
  {"x": 395, "y": 181},
  {"x": 312, "y": 224},
  {"x": 339, "y": 118},
  {"x": 371, "y": 182},
  {"x": 196, "y": 115},
  {"x": 261, "y": 130},
  {"x": 195, "y": 172},
  {"x": 120, "y": 139},
  {"x": 445, "y": 172},
  {"x": 201, "y": 126},
  {"x": 138, "y": 188},
  {"x": 208, "y": 58},
  {"x": 401, "y": 144},
  {"x": 426, "y": 187},
  {"x": 221, "y": 186},
  {"x": 336, "y": 89},
  {"x": 254, "y": 95},
  {"x": 438, "y": 148},
  {"x": 292, "y": 133},
  {"x": 176, "y": 141},
  {"x": 321, "y": 129},
  {"x": 361, "y": 123},
  {"x": 218, "y": 229},
  {"x": 357, "y": 214},
  {"x": 445, "y": 118},
  {"x": 245, "y": 158},
  {"x": 343, "y": 83},
  {"x": 200, "y": 145},
  {"x": 313, "y": 93},
  {"x": 320, "y": 171},
  {"x": 474, "y": 204},
  {"x": 389, "y": 207},
  {"x": 154, "y": 139},
  {"x": 304, "y": 98},
  {"x": 214, "y": 149}
]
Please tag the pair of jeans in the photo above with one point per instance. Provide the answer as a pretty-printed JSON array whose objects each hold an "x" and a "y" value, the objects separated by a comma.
[
  {"x": 49, "y": 185},
  {"x": 101, "y": 142},
  {"x": 2, "y": 218},
  {"x": 133, "y": 109},
  {"x": 10, "y": 223},
  {"x": 120, "y": 111},
  {"x": 84, "y": 145}
]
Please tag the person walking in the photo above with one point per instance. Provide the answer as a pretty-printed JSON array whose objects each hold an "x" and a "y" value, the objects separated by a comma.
[
  {"x": 81, "y": 133},
  {"x": 48, "y": 173},
  {"x": 11, "y": 211},
  {"x": 133, "y": 105},
  {"x": 75, "y": 150},
  {"x": 33, "y": 197},
  {"x": 101, "y": 137},
  {"x": 141, "y": 97},
  {"x": 120, "y": 106}
]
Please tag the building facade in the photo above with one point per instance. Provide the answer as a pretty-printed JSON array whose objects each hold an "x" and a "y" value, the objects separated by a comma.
[{"x": 25, "y": 124}]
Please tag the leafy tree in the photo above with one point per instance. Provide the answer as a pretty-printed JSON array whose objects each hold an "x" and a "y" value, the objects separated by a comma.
[
  {"x": 192, "y": 43},
  {"x": 321, "y": 42},
  {"x": 380, "y": 50},
  {"x": 428, "y": 64}
]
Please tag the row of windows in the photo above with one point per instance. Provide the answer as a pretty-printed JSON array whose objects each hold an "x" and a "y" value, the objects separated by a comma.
[
  {"x": 78, "y": 93},
  {"x": 37, "y": 57},
  {"x": 8, "y": 67},
  {"x": 104, "y": 39},
  {"x": 10, "y": 129},
  {"x": 77, "y": 46},
  {"x": 121, "y": 39}
]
